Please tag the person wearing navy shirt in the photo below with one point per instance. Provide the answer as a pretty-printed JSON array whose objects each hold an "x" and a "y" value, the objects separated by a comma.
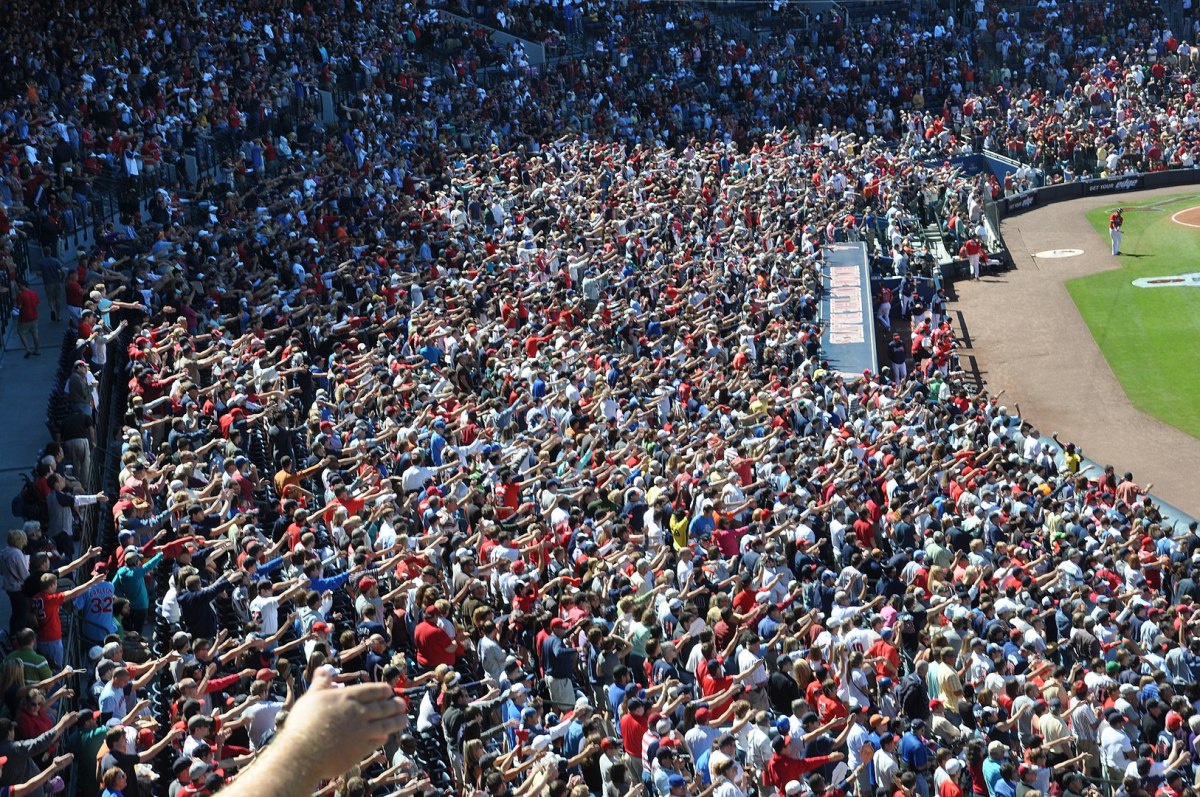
[
  {"x": 903, "y": 531},
  {"x": 369, "y": 625},
  {"x": 378, "y": 657},
  {"x": 196, "y": 604},
  {"x": 890, "y": 585},
  {"x": 898, "y": 358},
  {"x": 826, "y": 592},
  {"x": 559, "y": 660},
  {"x": 201, "y": 522},
  {"x": 665, "y": 667}
]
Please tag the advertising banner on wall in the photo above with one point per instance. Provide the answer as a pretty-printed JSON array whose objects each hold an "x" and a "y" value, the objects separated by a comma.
[
  {"x": 1019, "y": 203},
  {"x": 1112, "y": 185}
]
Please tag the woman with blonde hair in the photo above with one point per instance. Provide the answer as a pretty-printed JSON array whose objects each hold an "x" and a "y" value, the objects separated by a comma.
[
  {"x": 337, "y": 528},
  {"x": 34, "y": 718},
  {"x": 12, "y": 686},
  {"x": 472, "y": 769},
  {"x": 723, "y": 774},
  {"x": 937, "y": 579}
]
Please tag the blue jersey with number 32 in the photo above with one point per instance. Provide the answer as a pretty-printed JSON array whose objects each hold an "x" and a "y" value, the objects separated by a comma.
[{"x": 96, "y": 610}]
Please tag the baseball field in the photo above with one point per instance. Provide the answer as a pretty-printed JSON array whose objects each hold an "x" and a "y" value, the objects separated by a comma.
[{"x": 1150, "y": 333}]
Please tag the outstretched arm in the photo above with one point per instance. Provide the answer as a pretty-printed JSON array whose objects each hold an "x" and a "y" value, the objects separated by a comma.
[
  {"x": 328, "y": 731},
  {"x": 61, "y": 763}
]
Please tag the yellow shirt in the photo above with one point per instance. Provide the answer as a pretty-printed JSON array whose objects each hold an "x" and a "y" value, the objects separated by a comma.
[{"x": 679, "y": 528}]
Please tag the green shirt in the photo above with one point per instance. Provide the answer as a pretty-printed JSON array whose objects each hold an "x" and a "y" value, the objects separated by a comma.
[
  {"x": 85, "y": 743},
  {"x": 639, "y": 635},
  {"x": 35, "y": 664},
  {"x": 130, "y": 582}
]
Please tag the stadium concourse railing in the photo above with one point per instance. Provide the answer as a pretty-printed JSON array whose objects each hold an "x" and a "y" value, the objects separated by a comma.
[
  {"x": 96, "y": 526},
  {"x": 1052, "y": 194}
]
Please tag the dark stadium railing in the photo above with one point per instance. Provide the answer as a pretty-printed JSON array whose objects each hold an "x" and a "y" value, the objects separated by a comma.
[{"x": 97, "y": 521}]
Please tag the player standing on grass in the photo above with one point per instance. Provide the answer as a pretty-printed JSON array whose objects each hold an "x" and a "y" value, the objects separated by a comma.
[{"x": 1114, "y": 230}]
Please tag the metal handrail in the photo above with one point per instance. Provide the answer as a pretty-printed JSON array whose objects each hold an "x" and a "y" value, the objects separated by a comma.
[{"x": 104, "y": 475}]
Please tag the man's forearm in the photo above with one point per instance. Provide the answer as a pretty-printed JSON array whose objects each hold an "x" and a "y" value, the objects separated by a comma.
[{"x": 282, "y": 770}]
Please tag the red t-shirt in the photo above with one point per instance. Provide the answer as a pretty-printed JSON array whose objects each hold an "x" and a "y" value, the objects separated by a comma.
[
  {"x": 745, "y": 601},
  {"x": 27, "y": 301},
  {"x": 950, "y": 788},
  {"x": 431, "y": 643},
  {"x": 45, "y": 609},
  {"x": 632, "y": 730},
  {"x": 865, "y": 532},
  {"x": 712, "y": 684},
  {"x": 525, "y": 602},
  {"x": 244, "y": 485},
  {"x": 31, "y": 725},
  {"x": 353, "y": 507},
  {"x": 294, "y": 533},
  {"x": 885, "y": 652},
  {"x": 74, "y": 294},
  {"x": 829, "y": 708}
]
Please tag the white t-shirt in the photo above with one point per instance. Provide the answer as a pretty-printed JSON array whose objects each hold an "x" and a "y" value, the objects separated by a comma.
[
  {"x": 262, "y": 720},
  {"x": 857, "y": 737},
  {"x": 746, "y": 659},
  {"x": 269, "y": 607},
  {"x": 727, "y": 789},
  {"x": 1115, "y": 748},
  {"x": 695, "y": 659}
]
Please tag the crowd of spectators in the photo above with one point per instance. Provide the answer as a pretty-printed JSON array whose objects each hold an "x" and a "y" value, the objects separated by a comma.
[{"x": 502, "y": 398}]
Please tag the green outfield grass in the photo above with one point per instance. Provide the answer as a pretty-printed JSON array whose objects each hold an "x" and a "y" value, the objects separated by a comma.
[{"x": 1150, "y": 336}]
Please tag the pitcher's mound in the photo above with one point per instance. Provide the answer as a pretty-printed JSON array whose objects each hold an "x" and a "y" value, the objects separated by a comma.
[{"x": 1188, "y": 218}]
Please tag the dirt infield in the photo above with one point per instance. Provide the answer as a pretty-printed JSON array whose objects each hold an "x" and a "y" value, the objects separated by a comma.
[
  {"x": 1027, "y": 338},
  {"x": 1188, "y": 218}
]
